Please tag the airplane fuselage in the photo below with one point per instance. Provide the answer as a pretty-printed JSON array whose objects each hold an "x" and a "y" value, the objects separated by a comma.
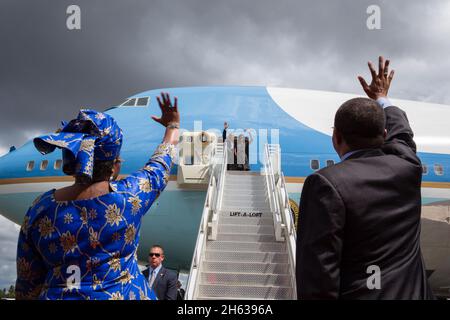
[{"x": 299, "y": 120}]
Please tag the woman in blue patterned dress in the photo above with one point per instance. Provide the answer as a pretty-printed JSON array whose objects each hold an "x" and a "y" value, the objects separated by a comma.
[{"x": 80, "y": 242}]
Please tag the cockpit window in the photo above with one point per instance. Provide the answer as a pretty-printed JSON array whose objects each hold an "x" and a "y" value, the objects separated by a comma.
[
  {"x": 129, "y": 103},
  {"x": 136, "y": 102},
  {"x": 142, "y": 102}
]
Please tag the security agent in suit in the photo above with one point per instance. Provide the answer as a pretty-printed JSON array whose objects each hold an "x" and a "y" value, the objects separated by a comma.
[
  {"x": 358, "y": 235},
  {"x": 161, "y": 280}
]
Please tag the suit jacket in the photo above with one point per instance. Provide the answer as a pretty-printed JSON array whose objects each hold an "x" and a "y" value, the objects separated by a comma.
[
  {"x": 362, "y": 212},
  {"x": 165, "y": 284}
]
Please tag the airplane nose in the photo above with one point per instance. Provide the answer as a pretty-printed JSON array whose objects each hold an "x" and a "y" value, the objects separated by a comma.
[
  {"x": 24, "y": 175},
  {"x": 5, "y": 161}
]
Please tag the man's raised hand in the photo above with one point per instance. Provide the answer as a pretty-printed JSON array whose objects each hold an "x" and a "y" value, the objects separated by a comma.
[{"x": 381, "y": 82}]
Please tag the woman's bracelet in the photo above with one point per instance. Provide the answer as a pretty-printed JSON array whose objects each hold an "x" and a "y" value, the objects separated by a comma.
[{"x": 173, "y": 125}]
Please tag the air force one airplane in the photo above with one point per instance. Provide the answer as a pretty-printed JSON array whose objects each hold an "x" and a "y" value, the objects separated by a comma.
[{"x": 304, "y": 120}]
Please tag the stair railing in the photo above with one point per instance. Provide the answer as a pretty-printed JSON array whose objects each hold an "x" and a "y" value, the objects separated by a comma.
[
  {"x": 279, "y": 204},
  {"x": 213, "y": 202},
  {"x": 290, "y": 231},
  {"x": 214, "y": 224},
  {"x": 273, "y": 195}
]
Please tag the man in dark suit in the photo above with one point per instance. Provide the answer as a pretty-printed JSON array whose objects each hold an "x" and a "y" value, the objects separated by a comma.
[
  {"x": 180, "y": 291},
  {"x": 359, "y": 226},
  {"x": 224, "y": 132},
  {"x": 161, "y": 280}
]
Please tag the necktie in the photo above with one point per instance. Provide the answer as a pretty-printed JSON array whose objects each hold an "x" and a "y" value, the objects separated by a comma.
[{"x": 152, "y": 278}]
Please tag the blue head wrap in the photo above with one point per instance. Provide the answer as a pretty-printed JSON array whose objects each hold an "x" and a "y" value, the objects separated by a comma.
[{"x": 91, "y": 136}]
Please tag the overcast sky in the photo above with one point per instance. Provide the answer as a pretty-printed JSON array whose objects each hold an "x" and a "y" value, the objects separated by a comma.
[{"x": 124, "y": 47}]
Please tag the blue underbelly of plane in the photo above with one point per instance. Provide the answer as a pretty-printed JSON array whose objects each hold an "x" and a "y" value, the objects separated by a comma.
[{"x": 172, "y": 221}]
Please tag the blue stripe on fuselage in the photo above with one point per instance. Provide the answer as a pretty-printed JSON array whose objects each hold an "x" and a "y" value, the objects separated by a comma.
[{"x": 241, "y": 107}]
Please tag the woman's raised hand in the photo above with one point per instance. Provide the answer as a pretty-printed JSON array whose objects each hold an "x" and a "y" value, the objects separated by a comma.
[{"x": 170, "y": 115}]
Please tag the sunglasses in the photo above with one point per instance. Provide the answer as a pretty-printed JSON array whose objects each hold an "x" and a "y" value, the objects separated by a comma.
[{"x": 151, "y": 254}]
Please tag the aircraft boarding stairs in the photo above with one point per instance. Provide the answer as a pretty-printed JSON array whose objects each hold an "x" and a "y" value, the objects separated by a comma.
[{"x": 246, "y": 242}]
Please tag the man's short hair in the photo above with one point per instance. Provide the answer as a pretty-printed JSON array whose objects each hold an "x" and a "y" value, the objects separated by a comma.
[
  {"x": 361, "y": 122},
  {"x": 157, "y": 246}
]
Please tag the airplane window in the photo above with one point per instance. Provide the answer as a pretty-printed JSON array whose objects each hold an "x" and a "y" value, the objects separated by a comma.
[
  {"x": 44, "y": 165},
  {"x": 142, "y": 102},
  {"x": 129, "y": 103},
  {"x": 30, "y": 165},
  {"x": 330, "y": 163},
  {"x": 57, "y": 165},
  {"x": 438, "y": 169},
  {"x": 315, "y": 165},
  {"x": 424, "y": 169}
]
